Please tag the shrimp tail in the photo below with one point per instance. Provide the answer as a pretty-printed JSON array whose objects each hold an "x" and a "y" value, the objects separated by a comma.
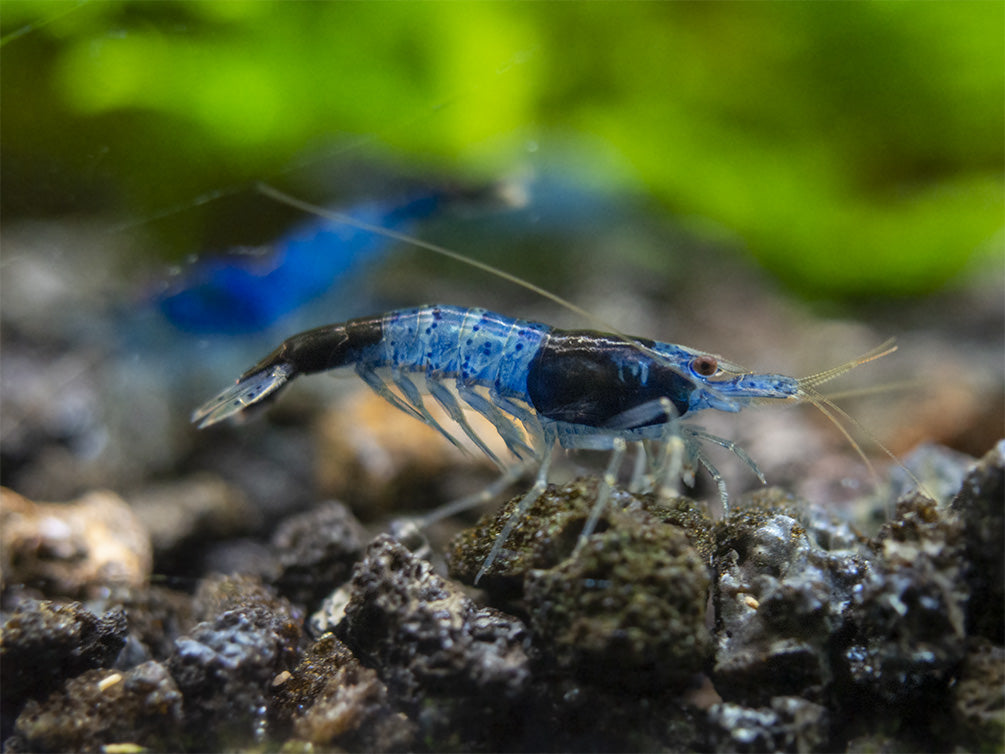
[
  {"x": 252, "y": 389},
  {"x": 316, "y": 350}
]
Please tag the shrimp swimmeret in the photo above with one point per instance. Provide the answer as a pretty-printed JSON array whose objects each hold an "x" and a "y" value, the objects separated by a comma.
[{"x": 538, "y": 386}]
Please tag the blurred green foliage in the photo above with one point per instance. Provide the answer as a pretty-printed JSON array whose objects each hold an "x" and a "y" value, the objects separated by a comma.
[{"x": 853, "y": 148}]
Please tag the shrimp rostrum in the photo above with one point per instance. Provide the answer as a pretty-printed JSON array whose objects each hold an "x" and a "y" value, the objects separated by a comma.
[{"x": 538, "y": 386}]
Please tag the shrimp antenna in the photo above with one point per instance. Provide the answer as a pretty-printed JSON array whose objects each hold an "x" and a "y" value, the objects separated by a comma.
[
  {"x": 885, "y": 349},
  {"x": 886, "y": 387},
  {"x": 826, "y": 406},
  {"x": 832, "y": 411},
  {"x": 829, "y": 409}
]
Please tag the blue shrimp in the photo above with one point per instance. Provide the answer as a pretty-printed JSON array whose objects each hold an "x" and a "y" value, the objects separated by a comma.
[
  {"x": 239, "y": 294},
  {"x": 537, "y": 385}
]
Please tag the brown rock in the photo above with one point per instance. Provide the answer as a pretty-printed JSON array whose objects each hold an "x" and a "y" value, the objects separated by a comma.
[{"x": 71, "y": 549}]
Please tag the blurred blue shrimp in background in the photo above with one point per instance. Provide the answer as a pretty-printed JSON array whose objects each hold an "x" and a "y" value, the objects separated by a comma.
[{"x": 242, "y": 293}]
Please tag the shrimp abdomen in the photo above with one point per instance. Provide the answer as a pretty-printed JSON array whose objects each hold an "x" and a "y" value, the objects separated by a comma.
[{"x": 473, "y": 346}]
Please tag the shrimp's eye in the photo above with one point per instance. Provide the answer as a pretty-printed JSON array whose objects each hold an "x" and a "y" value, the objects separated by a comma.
[{"x": 706, "y": 366}]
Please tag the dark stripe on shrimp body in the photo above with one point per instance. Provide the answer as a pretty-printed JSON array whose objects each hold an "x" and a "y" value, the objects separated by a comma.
[
  {"x": 324, "y": 348},
  {"x": 592, "y": 379}
]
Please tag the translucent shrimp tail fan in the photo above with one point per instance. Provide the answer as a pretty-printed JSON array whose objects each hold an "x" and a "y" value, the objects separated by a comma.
[{"x": 253, "y": 388}]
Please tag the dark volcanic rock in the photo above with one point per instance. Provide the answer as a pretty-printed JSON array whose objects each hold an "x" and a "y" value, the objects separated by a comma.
[
  {"x": 978, "y": 698},
  {"x": 823, "y": 639},
  {"x": 156, "y": 616},
  {"x": 220, "y": 593},
  {"x": 102, "y": 707},
  {"x": 779, "y": 599},
  {"x": 45, "y": 643},
  {"x": 627, "y": 607},
  {"x": 316, "y": 551},
  {"x": 906, "y": 622},
  {"x": 331, "y": 700},
  {"x": 224, "y": 667},
  {"x": 618, "y": 620},
  {"x": 569, "y": 714},
  {"x": 788, "y": 723},
  {"x": 874, "y": 629},
  {"x": 548, "y": 532},
  {"x": 457, "y": 669},
  {"x": 980, "y": 505}
]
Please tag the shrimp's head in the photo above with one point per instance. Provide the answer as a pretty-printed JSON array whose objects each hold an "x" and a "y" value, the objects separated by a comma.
[{"x": 725, "y": 386}]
